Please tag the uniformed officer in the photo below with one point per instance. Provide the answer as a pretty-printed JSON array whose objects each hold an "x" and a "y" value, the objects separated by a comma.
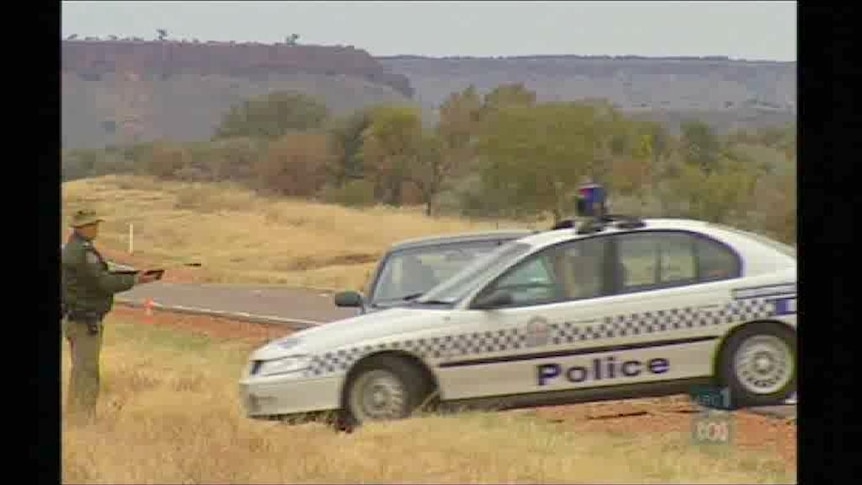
[{"x": 87, "y": 296}]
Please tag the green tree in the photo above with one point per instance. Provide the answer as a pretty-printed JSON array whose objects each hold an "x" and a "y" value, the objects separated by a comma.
[
  {"x": 506, "y": 95},
  {"x": 615, "y": 140},
  {"x": 295, "y": 164},
  {"x": 782, "y": 138},
  {"x": 658, "y": 140},
  {"x": 638, "y": 157},
  {"x": 536, "y": 155},
  {"x": 138, "y": 153},
  {"x": 346, "y": 135},
  {"x": 459, "y": 122},
  {"x": 701, "y": 146},
  {"x": 166, "y": 159},
  {"x": 235, "y": 158},
  {"x": 272, "y": 116},
  {"x": 80, "y": 163},
  {"x": 778, "y": 203},
  {"x": 390, "y": 148},
  {"x": 430, "y": 169},
  {"x": 721, "y": 194}
]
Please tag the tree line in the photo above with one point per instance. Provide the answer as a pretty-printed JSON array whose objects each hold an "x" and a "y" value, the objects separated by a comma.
[{"x": 503, "y": 153}]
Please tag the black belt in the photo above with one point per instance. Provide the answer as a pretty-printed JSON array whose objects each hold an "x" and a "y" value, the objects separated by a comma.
[
  {"x": 91, "y": 320},
  {"x": 84, "y": 316}
]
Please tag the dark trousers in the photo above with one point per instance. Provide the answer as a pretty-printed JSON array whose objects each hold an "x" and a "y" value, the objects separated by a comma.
[{"x": 85, "y": 349}]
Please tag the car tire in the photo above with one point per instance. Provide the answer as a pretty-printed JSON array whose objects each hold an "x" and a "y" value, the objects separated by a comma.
[
  {"x": 758, "y": 365},
  {"x": 385, "y": 388}
]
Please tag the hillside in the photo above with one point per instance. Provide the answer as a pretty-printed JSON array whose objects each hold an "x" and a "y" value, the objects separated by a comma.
[
  {"x": 92, "y": 59},
  {"x": 119, "y": 90},
  {"x": 725, "y": 93},
  {"x": 188, "y": 107}
]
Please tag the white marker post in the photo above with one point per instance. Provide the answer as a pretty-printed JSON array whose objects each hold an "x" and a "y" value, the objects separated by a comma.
[{"x": 131, "y": 238}]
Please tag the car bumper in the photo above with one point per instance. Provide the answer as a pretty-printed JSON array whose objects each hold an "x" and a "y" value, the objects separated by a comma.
[{"x": 273, "y": 396}]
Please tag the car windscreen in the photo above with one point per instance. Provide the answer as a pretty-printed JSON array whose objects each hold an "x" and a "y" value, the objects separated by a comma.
[
  {"x": 411, "y": 272},
  {"x": 460, "y": 284}
]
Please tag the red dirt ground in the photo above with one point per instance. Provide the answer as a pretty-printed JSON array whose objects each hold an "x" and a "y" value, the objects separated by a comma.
[
  {"x": 675, "y": 415},
  {"x": 660, "y": 415}
]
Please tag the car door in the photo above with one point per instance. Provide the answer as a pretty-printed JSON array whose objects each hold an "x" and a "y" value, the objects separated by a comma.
[
  {"x": 671, "y": 298},
  {"x": 507, "y": 346}
]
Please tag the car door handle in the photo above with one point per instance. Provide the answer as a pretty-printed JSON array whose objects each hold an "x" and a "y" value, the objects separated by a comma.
[{"x": 708, "y": 307}]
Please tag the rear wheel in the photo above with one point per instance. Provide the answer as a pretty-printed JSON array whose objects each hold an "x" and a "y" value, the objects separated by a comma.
[
  {"x": 758, "y": 365},
  {"x": 385, "y": 388}
]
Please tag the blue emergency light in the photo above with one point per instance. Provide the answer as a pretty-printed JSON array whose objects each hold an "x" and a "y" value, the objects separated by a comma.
[
  {"x": 591, "y": 201},
  {"x": 592, "y": 206}
]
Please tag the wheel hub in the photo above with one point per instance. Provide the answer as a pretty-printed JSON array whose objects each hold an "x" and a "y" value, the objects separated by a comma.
[
  {"x": 764, "y": 364},
  {"x": 377, "y": 395}
]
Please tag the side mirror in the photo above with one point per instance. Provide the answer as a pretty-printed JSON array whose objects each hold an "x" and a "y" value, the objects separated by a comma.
[
  {"x": 495, "y": 299},
  {"x": 348, "y": 299}
]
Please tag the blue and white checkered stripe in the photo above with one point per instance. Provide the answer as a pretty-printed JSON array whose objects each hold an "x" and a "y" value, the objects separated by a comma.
[
  {"x": 480, "y": 343},
  {"x": 660, "y": 321},
  {"x": 785, "y": 306},
  {"x": 476, "y": 343}
]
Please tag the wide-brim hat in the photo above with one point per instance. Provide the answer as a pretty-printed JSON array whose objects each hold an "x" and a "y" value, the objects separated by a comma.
[{"x": 84, "y": 217}]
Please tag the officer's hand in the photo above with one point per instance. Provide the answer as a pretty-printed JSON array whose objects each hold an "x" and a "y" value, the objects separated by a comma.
[{"x": 144, "y": 278}]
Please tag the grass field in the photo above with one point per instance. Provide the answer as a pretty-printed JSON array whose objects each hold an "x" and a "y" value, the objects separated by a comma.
[
  {"x": 241, "y": 237},
  {"x": 169, "y": 414}
]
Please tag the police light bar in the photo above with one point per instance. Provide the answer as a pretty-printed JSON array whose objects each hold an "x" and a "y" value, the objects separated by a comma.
[{"x": 591, "y": 200}]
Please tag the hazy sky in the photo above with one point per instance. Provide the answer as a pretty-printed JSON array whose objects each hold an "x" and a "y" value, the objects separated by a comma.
[{"x": 742, "y": 30}]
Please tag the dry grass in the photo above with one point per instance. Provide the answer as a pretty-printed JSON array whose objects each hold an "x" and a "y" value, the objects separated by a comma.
[
  {"x": 242, "y": 237},
  {"x": 169, "y": 414}
]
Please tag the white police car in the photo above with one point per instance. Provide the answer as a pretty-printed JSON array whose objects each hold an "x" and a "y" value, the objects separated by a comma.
[{"x": 614, "y": 308}]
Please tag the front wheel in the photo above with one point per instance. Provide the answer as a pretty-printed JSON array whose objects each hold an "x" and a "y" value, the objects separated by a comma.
[
  {"x": 758, "y": 365},
  {"x": 384, "y": 389}
]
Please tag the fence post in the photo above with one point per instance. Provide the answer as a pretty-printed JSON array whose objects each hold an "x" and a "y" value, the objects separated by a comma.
[{"x": 131, "y": 238}]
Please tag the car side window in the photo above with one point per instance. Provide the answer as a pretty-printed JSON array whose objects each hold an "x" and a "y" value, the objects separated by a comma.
[
  {"x": 655, "y": 260},
  {"x": 531, "y": 282},
  {"x": 677, "y": 262},
  {"x": 581, "y": 268},
  {"x": 570, "y": 271},
  {"x": 716, "y": 261}
]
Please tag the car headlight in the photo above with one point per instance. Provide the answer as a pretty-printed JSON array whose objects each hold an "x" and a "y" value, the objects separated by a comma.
[{"x": 284, "y": 365}]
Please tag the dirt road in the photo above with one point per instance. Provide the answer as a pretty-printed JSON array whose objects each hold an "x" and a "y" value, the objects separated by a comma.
[{"x": 275, "y": 303}]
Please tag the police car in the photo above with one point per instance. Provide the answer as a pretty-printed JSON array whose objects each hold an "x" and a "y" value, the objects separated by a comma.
[{"x": 610, "y": 308}]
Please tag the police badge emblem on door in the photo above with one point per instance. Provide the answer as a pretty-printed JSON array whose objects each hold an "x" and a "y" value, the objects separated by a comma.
[{"x": 538, "y": 332}]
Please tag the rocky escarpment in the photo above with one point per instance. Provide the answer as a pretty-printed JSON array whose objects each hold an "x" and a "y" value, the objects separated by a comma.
[
  {"x": 123, "y": 91},
  {"x": 93, "y": 59}
]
